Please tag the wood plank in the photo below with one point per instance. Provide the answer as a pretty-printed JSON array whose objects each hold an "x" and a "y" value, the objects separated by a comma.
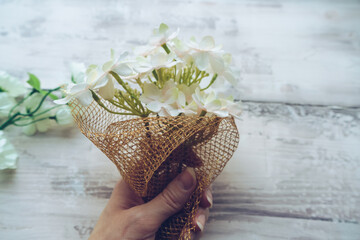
[
  {"x": 295, "y": 175},
  {"x": 295, "y": 52}
]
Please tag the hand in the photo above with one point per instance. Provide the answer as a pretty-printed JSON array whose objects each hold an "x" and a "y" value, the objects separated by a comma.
[{"x": 126, "y": 216}]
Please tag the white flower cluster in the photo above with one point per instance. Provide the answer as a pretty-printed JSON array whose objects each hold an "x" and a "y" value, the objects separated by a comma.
[
  {"x": 173, "y": 77},
  {"x": 23, "y": 107}
]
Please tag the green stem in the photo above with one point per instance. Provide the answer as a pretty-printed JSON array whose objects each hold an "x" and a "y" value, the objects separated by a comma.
[
  {"x": 131, "y": 105},
  {"x": 203, "y": 112},
  {"x": 41, "y": 102},
  {"x": 9, "y": 121},
  {"x": 18, "y": 104},
  {"x": 97, "y": 99},
  {"x": 211, "y": 82},
  {"x": 37, "y": 120},
  {"x": 155, "y": 75},
  {"x": 47, "y": 110},
  {"x": 117, "y": 104},
  {"x": 135, "y": 98},
  {"x": 160, "y": 80},
  {"x": 165, "y": 47}
]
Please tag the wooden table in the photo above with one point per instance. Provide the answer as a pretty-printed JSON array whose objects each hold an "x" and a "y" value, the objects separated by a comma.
[{"x": 296, "y": 172}]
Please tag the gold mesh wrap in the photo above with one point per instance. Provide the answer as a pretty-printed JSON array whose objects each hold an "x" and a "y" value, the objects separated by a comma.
[{"x": 150, "y": 152}]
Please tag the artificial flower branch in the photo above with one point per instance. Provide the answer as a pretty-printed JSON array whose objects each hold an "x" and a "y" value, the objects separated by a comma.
[{"x": 18, "y": 116}]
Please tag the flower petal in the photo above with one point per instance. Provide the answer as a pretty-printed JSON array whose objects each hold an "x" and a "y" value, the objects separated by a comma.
[
  {"x": 151, "y": 92},
  {"x": 29, "y": 129},
  {"x": 8, "y": 154},
  {"x": 85, "y": 98},
  {"x": 6, "y": 103},
  {"x": 44, "y": 125},
  {"x": 75, "y": 89},
  {"x": 63, "y": 100},
  {"x": 201, "y": 60},
  {"x": 214, "y": 105},
  {"x": 63, "y": 116},
  {"x": 217, "y": 63},
  {"x": 229, "y": 76},
  {"x": 181, "y": 100},
  {"x": 78, "y": 72},
  {"x": 107, "y": 92},
  {"x": 154, "y": 106},
  {"x": 221, "y": 113},
  {"x": 163, "y": 28},
  {"x": 207, "y": 42},
  {"x": 107, "y": 66},
  {"x": 123, "y": 69},
  {"x": 158, "y": 59}
]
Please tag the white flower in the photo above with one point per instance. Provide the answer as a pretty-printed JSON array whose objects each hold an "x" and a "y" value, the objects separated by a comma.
[
  {"x": 209, "y": 103},
  {"x": 11, "y": 85},
  {"x": 188, "y": 91},
  {"x": 227, "y": 74},
  {"x": 163, "y": 101},
  {"x": 160, "y": 37},
  {"x": 233, "y": 108},
  {"x": 120, "y": 65},
  {"x": 159, "y": 60},
  {"x": 188, "y": 109},
  {"x": 81, "y": 91},
  {"x": 77, "y": 72},
  {"x": 63, "y": 116},
  {"x": 206, "y": 55},
  {"x": 107, "y": 92},
  {"x": 222, "y": 107},
  {"x": 8, "y": 155},
  {"x": 6, "y": 103},
  {"x": 97, "y": 79},
  {"x": 33, "y": 123},
  {"x": 181, "y": 50}
]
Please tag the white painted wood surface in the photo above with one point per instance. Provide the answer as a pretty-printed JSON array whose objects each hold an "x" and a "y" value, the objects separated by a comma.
[{"x": 296, "y": 172}]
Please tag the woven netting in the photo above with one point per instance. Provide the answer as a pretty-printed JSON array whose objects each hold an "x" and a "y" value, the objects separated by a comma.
[{"x": 150, "y": 152}]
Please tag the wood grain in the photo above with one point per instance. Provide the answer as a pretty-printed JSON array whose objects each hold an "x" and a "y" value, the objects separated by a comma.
[
  {"x": 298, "y": 52},
  {"x": 296, "y": 173},
  {"x": 290, "y": 178}
]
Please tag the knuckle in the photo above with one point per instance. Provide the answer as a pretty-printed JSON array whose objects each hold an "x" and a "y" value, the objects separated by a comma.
[
  {"x": 142, "y": 222},
  {"x": 171, "y": 199}
]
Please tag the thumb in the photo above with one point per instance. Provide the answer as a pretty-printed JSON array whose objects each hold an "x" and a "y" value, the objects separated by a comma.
[{"x": 173, "y": 198}]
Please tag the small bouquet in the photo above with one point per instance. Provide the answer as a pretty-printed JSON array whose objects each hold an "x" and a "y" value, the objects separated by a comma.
[{"x": 154, "y": 114}]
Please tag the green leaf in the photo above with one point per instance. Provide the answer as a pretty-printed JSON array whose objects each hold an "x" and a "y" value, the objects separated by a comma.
[
  {"x": 52, "y": 96},
  {"x": 34, "y": 81}
]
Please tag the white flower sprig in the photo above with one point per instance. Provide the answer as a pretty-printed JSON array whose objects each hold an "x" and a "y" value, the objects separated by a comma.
[
  {"x": 168, "y": 77},
  {"x": 29, "y": 109}
]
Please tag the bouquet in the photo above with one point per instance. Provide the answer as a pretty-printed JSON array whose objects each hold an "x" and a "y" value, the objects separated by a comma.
[{"x": 154, "y": 113}]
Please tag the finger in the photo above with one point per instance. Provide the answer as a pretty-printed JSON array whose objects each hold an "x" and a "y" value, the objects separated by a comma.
[
  {"x": 200, "y": 219},
  {"x": 123, "y": 197},
  {"x": 173, "y": 198},
  {"x": 206, "y": 200},
  {"x": 194, "y": 235}
]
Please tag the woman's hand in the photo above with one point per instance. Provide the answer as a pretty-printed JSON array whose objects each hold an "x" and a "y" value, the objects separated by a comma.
[{"x": 126, "y": 216}]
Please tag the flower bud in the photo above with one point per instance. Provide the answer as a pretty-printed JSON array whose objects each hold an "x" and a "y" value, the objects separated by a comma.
[{"x": 63, "y": 116}]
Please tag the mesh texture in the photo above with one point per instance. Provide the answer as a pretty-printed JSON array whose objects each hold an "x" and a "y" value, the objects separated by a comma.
[{"x": 150, "y": 152}]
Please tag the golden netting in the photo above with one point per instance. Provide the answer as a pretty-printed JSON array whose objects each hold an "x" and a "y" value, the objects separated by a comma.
[{"x": 150, "y": 152}]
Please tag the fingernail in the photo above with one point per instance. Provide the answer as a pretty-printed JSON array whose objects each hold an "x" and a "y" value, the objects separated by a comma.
[
  {"x": 200, "y": 222},
  {"x": 187, "y": 178},
  {"x": 209, "y": 197}
]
